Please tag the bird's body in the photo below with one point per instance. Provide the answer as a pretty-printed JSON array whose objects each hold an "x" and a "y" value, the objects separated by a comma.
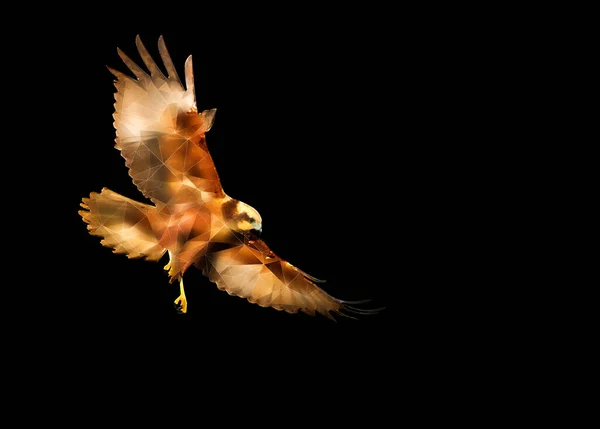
[{"x": 162, "y": 137}]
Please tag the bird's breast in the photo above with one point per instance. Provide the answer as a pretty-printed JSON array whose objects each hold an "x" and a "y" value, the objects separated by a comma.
[{"x": 182, "y": 227}]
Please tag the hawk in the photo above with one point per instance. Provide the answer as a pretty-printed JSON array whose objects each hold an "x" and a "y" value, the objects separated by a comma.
[{"x": 162, "y": 137}]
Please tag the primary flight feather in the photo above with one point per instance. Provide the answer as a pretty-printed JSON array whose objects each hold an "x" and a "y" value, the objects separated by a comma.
[{"x": 162, "y": 137}]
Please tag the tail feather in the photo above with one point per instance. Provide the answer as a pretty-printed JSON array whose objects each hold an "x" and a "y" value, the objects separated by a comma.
[{"x": 125, "y": 225}]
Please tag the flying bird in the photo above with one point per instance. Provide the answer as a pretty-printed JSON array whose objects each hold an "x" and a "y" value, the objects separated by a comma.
[{"x": 162, "y": 137}]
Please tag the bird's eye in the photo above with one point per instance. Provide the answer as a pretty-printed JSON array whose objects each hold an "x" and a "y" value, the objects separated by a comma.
[{"x": 252, "y": 220}]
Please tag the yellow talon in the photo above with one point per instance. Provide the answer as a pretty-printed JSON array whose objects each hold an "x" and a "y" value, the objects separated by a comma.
[
  {"x": 169, "y": 267},
  {"x": 181, "y": 301}
]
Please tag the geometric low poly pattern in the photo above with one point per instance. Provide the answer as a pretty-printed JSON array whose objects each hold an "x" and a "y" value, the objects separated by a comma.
[{"x": 162, "y": 137}]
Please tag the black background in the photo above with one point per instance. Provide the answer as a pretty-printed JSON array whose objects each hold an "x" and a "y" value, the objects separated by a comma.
[
  {"x": 362, "y": 135},
  {"x": 323, "y": 126}
]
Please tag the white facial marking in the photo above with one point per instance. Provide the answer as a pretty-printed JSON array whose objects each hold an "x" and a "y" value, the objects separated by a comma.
[{"x": 251, "y": 212}]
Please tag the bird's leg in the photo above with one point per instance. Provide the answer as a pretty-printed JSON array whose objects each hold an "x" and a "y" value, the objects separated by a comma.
[
  {"x": 181, "y": 302},
  {"x": 169, "y": 267}
]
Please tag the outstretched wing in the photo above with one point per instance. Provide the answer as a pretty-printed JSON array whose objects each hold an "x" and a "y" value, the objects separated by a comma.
[
  {"x": 247, "y": 268},
  {"x": 160, "y": 133}
]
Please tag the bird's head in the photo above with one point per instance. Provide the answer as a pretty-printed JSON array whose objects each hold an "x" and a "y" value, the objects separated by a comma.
[{"x": 243, "y": 217}]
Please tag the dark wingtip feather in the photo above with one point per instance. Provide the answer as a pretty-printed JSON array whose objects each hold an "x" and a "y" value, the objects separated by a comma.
[
  {"x": 363, "y": 311},
  {"x": 361, "y": 301}
]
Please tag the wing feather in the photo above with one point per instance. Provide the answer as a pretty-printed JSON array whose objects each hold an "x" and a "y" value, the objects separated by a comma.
[
  {"x": 189, "y": 75},
  {"x": 160, "y": 133},
  {"x": 148, "y": 61},
  {"x": 167, "y": 61},
  {"x": 135, "y": 69},
  {"x": 249, "y": 269}
]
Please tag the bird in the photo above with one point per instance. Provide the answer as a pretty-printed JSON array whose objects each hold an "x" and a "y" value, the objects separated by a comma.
[{"x": 162, "y": 137}]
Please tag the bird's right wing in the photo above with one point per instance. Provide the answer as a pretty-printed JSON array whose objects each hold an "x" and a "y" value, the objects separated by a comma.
[
  {"x": 247, "y": 268},
  {"x": 160, "y": 133}
]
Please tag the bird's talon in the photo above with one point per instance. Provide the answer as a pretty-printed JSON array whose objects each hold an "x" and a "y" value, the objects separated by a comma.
[
  {"x": 181, "y": 304},
  {"x": 178, "y": 309}
]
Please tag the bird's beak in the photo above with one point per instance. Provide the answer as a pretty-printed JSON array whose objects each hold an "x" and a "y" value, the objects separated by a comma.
[{"x": 257, "y": 232}]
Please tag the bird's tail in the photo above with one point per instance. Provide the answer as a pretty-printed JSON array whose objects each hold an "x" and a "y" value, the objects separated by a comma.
[{"x": 125, "y": 225}]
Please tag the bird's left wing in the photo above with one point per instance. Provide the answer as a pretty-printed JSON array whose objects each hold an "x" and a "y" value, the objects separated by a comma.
[
  {"x": 247, "y": 268},
  {"x": 161, "y": 134}
]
